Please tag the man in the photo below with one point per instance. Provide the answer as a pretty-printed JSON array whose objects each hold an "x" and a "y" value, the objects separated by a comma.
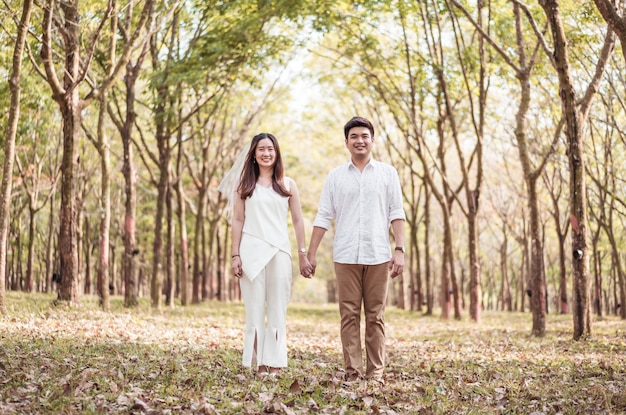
[{"x": 364, "y": 198}]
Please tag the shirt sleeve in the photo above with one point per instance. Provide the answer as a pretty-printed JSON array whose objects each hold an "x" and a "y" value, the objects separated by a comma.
[
  {"x": 396, "y": 209},
  {"x": 325, "y": 210}
]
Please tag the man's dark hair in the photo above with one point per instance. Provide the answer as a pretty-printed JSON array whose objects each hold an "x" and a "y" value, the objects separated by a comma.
[{"x": 358, "y": 122}]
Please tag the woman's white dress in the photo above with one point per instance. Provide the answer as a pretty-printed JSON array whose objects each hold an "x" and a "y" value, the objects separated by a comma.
[{"x": 266, "y": 284}]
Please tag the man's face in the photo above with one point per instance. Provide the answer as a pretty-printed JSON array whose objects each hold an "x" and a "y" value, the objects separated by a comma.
[{"x": 359, "y": 142}]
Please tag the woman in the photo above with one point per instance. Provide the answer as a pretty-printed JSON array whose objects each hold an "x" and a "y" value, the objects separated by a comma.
[{"x": 261, "y": 252}]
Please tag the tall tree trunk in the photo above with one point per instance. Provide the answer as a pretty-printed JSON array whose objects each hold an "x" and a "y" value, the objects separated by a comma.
[
  {"x": 105, "y": 185},
  {"x": 68, "y": 218},
  {"x": 427, "y": 258},
  {"x": 185, "y": 292},
  {"x": 170, "y": 286},
  {"x": 574, "y": 121},
  {"x": 199, "y": 272},
  {"x": 597, "y": 293},
  {"x": 129, "y": 267},
  {"x": 475, "y": 289},
  {"x": 105, "y": 199},
  {"x": 9, "y": 145},
  {"x": 66, "y": 95},
  {"x": 30, "y": 256},
  {"x": 50, "y": 263},
  {"x": 618, "y": 268},
  {"x": 446, "y": 287},
  {"x": 87, "y": 254},
  {"x": 538, "y": 288},
  {"x": 162, "y": 120},
  {"x": 163, "y": 184},
  {"x": 564, "y": 304}
]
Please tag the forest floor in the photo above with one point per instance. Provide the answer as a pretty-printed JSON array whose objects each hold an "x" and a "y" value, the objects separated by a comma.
[{"x": 188, "y": 360}]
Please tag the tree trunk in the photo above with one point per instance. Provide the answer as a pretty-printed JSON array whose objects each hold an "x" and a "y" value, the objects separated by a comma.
[
  {"x": 50, "y": 263},
  {"x": 538, "y": 289},
  {"x": 185, "y": 292},
  {"x": 157, "y": 261},
  {"x": 170, "y": 286},
  {"x": 430, "y": 299},
  {"x": 105, "y": 186},
  {"x": 564, "y": 304},
  {"x": 620, "y": 287},
  {"x": 30, "y": 255},
  {"x": 87, "y": 254},
  {"x": 446, "y": 287},
  {"x": 68, "y": 218},
  {"x": 475, "y": 288},
  {"x": 578, "y": 193},
  {"x": 597, "y": 294},
  {"x": 198, "y": 246},
  {"x": 9, "y": 145},
  {"x": 130, "y": 204},
  {"x": 162, "y": 138},
  {"x": 105, "y": 217}
]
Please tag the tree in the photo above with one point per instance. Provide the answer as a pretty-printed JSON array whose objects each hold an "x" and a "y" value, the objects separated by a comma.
[
  {"x": 574, "y": 122},
  {"x": 32, "y": 182},
  {"x": 65, "y": 18},
  {"x": 9, "y": 149}
]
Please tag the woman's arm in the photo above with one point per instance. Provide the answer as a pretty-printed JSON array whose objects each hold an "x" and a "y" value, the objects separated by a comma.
[
  {"x": 298, "y": 225},
  {"x": 236, "y": 229}
]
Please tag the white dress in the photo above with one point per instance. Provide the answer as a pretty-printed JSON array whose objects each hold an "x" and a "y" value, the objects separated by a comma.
[{"x": 266, "y": 284}]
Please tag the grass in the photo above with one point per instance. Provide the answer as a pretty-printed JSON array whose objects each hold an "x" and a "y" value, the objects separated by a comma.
[{"x": 187, "y": 360}]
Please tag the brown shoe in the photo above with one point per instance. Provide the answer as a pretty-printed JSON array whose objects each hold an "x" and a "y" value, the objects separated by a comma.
[{"x": 350, "y": 379}]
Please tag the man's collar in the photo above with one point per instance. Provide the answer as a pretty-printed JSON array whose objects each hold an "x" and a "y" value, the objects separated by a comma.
[{"x": 371, "y": 162}]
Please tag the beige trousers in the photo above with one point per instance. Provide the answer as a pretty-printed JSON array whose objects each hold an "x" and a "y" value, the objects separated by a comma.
[{"x": 367, "y": 285}]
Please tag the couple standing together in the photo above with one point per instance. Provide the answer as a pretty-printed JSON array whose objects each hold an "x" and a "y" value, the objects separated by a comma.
[{"x": 364, "y": 199}]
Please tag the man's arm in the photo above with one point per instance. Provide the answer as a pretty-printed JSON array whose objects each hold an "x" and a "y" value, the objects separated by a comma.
[
  {"x": 396, "y": 265},
  {"x": 316, "y": 237}
]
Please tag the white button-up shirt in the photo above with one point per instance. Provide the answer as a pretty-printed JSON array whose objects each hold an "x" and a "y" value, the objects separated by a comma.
[{"x": 363, "y": 204}]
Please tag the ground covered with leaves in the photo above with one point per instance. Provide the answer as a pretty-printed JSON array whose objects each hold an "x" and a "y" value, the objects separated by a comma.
[{"x": 187, "y": 360}]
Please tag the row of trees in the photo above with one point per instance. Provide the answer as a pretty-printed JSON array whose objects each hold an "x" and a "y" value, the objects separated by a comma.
[
  {"x": 488, "y": 110},
  {"x": 431, "y": 81}
]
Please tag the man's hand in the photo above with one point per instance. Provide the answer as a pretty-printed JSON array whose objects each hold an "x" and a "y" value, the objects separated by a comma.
[{"x": 396, "y": 265}]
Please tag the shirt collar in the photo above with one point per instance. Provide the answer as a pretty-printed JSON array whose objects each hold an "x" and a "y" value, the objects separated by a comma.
[{"x": 372, "y": 163}]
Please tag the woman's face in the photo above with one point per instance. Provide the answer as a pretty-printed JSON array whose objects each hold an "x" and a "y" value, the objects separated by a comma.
[{"x": 265, "y": 153}]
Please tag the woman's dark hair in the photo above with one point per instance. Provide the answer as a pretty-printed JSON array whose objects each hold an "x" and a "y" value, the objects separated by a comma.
[
  {"x": 250, "y": 172},
  {"x": 358, "y": 122}
]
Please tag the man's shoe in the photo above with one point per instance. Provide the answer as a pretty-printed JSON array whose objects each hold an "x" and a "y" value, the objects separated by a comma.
[{"x": 350, "y": 379}]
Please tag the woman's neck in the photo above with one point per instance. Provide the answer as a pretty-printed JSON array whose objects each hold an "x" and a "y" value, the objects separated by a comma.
[{"x": 265, "y": 177}]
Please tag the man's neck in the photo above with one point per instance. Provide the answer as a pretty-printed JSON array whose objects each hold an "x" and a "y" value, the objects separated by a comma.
[{"x": 360, "y": 163}]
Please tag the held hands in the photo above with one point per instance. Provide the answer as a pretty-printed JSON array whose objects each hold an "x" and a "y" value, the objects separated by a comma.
[
  {"x": 396, "y": 265},
  {"x": 306, "y": 269}
]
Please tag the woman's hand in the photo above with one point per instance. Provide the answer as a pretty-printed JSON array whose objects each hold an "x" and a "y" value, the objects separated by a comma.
[
  {"x": 306, "y": 270},
  {"x": 236, "y": 263}
]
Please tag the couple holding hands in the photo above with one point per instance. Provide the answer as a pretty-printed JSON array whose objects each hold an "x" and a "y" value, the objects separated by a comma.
[{"x": 364, "y": 199}]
